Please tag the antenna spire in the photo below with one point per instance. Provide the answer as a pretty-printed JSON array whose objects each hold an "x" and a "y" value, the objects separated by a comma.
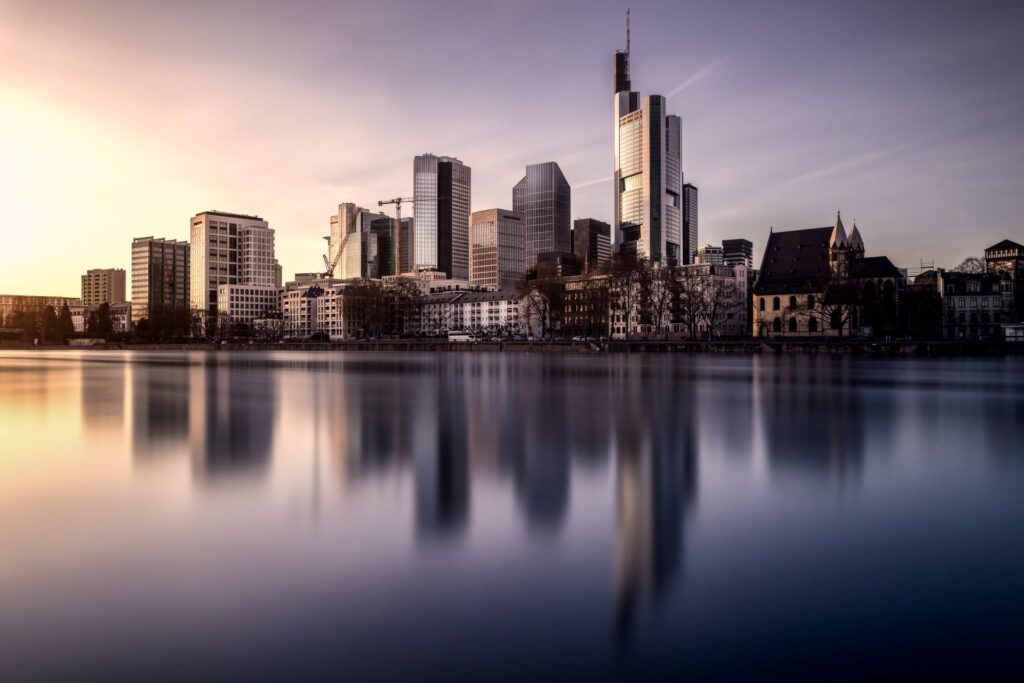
[{"x": 627, "y": 30}]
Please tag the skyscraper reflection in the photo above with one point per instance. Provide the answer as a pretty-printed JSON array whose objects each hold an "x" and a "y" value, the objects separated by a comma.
[
  {"x": 232, "y": 412},
  {"x": 102, "y": 396},
  {"x": 159, "y": 408},
  {"x": 441, "y": 455},
  {"x": 656, "y": 486}
]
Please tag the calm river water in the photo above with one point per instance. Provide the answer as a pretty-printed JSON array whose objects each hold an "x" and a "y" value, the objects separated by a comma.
[{"x": 515, "y": 517}]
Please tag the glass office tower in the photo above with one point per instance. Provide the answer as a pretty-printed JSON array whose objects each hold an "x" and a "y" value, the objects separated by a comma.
[
  {"x": 543, "y": 197},
  {"x": 440, "y": 230}
]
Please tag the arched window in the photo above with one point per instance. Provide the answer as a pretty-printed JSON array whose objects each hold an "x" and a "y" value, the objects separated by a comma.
[
  {"x": 812, "y": 325},
  {"x": 760, "y": 305},
  {"x": 775, "y": 303},
  {"x": 810, "y": 301},
  {"x": 777, "y": 323},
  {"x": 792, "y": 302},
  {"x": 792, "y": 324}
]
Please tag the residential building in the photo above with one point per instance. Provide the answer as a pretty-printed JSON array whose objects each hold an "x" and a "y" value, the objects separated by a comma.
[
  {"x": 103, "y": 286},
  {"x": 244, "y": 304},
  {"x": 361, "y": 243},
  {"x": 690, "y": 231},
  {"x": 974, "y": 305},
  {"x": 486, "y": 313},
  {"x": 1007, "y": 258},
  {"x": 496, "y": 248},
  {"x": 121, "y": 317},
  {"x": 161, "y": 283},
  {"x": 10, "y": 304},
  {"x": 738, "y": 252},
  {"x": 591, "y": 243},
  {"x": 648, "y": 172},
  {"x": 710, "y": 255},
  {"x": 229, "y": 249},
  {"x": 543, "y": 197},
  {"x": 818, "y": 282},
  {"x": 440, "y": 230}
]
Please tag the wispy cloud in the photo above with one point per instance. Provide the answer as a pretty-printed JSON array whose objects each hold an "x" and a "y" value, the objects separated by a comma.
[
  {"x": 701, "y": 74},
  {"x": 589, "y": 183}
]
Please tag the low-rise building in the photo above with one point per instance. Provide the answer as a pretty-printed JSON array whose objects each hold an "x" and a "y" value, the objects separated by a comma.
[
  {"x": 10, "y": 304},
  {"x": 243, "y": 304},
  {"x": 974, "y": 305}
]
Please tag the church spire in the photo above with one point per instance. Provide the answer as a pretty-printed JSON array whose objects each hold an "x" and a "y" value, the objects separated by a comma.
[{"x": 839, "y": 239}]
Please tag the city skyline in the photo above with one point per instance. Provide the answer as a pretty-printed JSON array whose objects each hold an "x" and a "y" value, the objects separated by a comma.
[{"x": 890, "y": 123}]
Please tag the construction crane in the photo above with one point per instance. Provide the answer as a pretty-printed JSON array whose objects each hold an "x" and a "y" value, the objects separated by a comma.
[
  {"x": 330, "y": 263},
  {"x": 397, "y": 201}
]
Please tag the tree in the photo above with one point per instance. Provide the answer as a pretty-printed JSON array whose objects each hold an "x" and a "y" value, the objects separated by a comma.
[
  {"x": 65, "y": 326},
  {"x": 835, "y": 308},
  {"x": 624, "y": 274},
  {"x": 689, "y": 300},
  {"x": 971, "y": 264},
  {"x": 721, "y": 299},
  {"x": 543, "y": 298},
  {"x": 49, "y": 324},
  {"x": 664, "y": 286},
  {"x": 104, "y": 324}
]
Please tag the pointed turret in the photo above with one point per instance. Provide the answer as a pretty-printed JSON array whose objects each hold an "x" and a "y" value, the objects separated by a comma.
[
  {"x": 856, "y": 242},
  {"x": 839, "y": 239}
]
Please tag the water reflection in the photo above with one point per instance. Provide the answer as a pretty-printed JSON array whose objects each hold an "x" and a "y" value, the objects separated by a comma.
[{"x": 655, "y": 509}]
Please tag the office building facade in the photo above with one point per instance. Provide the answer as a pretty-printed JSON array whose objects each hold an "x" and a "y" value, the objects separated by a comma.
[
  {"x": 497, "y": 240},
  {"x": 362, "y": 243},
  {"x": 103, "y": 286},
  {"x": 738, "y": 252},
  {"x": 543, "y": 197},
  {"x": 710, "y": 254},
  {"x": 161, "y": 282},
  {"x": 440, "y": 232},
  {"x": 647, "y": 172},
  {"x": 229, "y": 249},
  {"x": 690, "y": 231},
  {"x": 591, "y": 243}
]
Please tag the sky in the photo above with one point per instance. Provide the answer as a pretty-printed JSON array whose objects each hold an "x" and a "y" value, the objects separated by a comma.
[{"x": 124, "y": 119}]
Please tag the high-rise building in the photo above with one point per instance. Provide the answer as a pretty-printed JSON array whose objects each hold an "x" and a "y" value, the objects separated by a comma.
[
  {"x": 103, "y": 286},
  {"x": 440, "y": 231},
  {"x": 543, "y": 197},
  {"x": 405, "y": 246},
  {"x": 496, "y": 248},
  {"x": 709, "y": 255},
  {"x": 690, "y": 234},
  {"x": 591, "y": 242},
  {"x": 738, "y": 252},
  {"x": 362, "y": 243},
  {"x": 648, "y": 172},
  {"x": 160, "y": 282},
  {"x": 229, "y": 249}
]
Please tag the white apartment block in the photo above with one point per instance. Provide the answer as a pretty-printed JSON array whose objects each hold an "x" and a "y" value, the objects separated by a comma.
[
  {"x": 245, "y": 303},
  {"x": 103, "y": 286},
  {"x": 229, "y": 249}
]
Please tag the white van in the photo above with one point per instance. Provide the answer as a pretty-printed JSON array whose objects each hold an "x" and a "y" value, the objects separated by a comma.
[{"x": 460, "y": 336}]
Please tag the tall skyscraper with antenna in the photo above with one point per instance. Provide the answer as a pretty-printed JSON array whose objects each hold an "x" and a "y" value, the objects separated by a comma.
[{"x": 648, "y": 170}]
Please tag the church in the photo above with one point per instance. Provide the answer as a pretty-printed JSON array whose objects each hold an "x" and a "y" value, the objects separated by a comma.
[{"x": 818, "y": 283}]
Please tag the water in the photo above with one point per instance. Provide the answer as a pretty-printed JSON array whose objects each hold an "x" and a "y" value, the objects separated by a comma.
[{"x": 520, "y": 517}]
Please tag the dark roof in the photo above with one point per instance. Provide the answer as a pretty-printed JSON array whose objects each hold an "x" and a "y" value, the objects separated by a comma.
[
  {"x": 929, "y": 279},
  {"x": 873, "y": 266},
  {"x": 1005, "y": 244},
  {"x": 795, "y": 261}
]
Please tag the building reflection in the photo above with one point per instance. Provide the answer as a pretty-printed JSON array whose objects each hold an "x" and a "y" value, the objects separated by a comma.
[
  {"x": 441, "y": 460},
  {"x": 103, "y": 396},
  {"x": 231, "y": 419},
  {"x": 813, "y": 419},
  {"x": 656, "y": 488},
  {"x": 159, "y": 408}
]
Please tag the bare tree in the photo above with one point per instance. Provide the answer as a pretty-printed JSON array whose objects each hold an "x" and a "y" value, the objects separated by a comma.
[
  {"x": 624, "y": 274},
  {"x": 835, "y": 308},
  {"x": 689, "y": 300},
  {"x": 971, "y": 264},
  {"x": 664, "y": 286},
  {"x": 721, "y": 299}
]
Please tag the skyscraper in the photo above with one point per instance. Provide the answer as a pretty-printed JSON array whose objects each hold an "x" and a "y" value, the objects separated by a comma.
[
  {"x": 160, "y": 282},
  {"x": 648, "y": 171},
  {"x": 362, "y": 243},
  {"x": 690, "y": 234},
  {"x": 103, "y": 286},
  {"x": 738, "y": 252},
  {"x": 441, "y": 189},
  {"x": 591, "y": 242},
  {"x": 229, "y": 249},
  {"x": 543, "y": 197},
  {"x": 497, "y": 240}
]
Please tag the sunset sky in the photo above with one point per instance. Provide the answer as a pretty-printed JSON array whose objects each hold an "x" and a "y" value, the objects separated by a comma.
[{"x": 123, "y": 119}]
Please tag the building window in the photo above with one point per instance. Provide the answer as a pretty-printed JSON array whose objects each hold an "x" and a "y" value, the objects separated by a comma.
[
  {"x": 792, "y": 322},
  {"x": 777, "y": 323},
  {"x": 760, "y": 304},
  {"x": 810, "y": 302},
  {"x": 812, "y": 325},
  {"x": 775, "y": 303},
  {"x": 792, "y": 302}
]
